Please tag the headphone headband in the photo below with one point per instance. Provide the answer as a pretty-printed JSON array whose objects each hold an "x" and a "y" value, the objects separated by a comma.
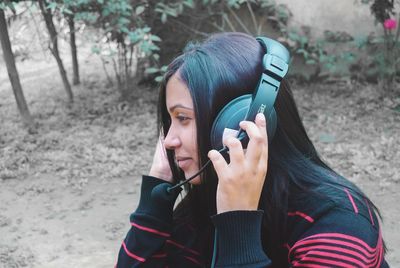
[
  {"x": 276, "y": 58},
  {"x": 275, "y": 67}
]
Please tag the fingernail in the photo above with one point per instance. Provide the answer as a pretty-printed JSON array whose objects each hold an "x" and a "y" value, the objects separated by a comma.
[
  {"x": 211, "y": 154},
  {"x": 261, "y": 117}
]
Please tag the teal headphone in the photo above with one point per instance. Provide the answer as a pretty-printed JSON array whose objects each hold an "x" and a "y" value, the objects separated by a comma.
[{"x": 275, "y": 66}]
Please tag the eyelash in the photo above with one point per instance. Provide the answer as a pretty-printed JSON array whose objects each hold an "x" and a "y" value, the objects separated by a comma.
[{"x": 182, "y": 118}]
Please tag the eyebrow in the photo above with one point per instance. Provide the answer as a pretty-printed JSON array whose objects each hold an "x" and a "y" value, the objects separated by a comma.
[{"x": 171, "y": 109}]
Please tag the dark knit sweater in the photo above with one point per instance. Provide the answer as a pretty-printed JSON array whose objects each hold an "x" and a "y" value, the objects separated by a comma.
[{"x": 320, "y": 234}]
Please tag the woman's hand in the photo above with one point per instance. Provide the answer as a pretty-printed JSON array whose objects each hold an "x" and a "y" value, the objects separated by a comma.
[
  {"x": 160, "y": 167},
  {"x": 241, "y": 181}
]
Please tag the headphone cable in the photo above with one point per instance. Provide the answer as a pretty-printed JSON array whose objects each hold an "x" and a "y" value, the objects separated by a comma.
[{"x": 169, "y": 189}]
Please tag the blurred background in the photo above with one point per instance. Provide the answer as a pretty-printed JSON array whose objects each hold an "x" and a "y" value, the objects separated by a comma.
[{"x": 78, "y": 102}]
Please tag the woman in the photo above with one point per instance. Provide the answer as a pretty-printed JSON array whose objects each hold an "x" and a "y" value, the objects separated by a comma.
[{"x": 273, "y": 204}]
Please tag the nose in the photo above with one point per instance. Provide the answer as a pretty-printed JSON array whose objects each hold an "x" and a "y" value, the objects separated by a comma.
[{"x": 171, "y": 141}]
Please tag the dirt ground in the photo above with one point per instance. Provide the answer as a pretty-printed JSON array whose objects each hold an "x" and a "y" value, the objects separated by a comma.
[{"x": 66, "y": 192}]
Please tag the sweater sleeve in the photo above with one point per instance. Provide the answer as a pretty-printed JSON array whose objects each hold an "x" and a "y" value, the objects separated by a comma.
[
  {"x": 340, "y": 238},
  {"x": 151, "y": 226},
  {"x": 239, "y": 239}
]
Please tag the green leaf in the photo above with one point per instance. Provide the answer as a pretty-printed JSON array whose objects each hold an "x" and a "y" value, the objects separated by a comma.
[
  {"x": 146, "y": 29},
  {"x": 180, "y": 8},
  {"x": 152, "y": 70},
  {"x": 67, "y": 11},
  {"x": 134, "y": 37},
  {"x": 153, "y": 47},
  {"x": 139, "y": 10},
  {"x": 124, "y": 29},
  {"x": 302, "y": 51},
  {"x": 105, "y": 12},
  {"x": 155, "y": 38},
  {"x": 123, "y": 21},
  {"x": 164, "y": 18},
  {"x": 171, "y": 12},
  {"x": 158, "y": 79},
  {"x": 293, "y": 36},
  {"x": 52, "y": 6},
  {"x": 189, "y": 3},
  {"x": 95, "y": 49}
]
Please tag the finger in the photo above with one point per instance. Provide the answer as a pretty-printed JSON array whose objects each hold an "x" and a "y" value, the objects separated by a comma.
[
  {"x": 257, "y": 141},
  {"x": 261, "y": 122},
  {"x": 236, "y": 153},
  {"x": 218, "y": 162},
  {"x": 160, "y": 152},
  {"x": 162, "y": 147}
]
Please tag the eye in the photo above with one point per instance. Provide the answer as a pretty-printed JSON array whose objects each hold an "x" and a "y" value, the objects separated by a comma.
[{"x": 182, "y": 118}]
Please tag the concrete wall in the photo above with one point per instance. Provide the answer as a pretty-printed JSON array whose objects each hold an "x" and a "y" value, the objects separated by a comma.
[
  {"x": 350, "y": 16},
  {"x": 339, "y": 15}
]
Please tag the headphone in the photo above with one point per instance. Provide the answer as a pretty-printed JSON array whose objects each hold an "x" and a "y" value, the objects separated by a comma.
[{"x": 275, "y": 66}]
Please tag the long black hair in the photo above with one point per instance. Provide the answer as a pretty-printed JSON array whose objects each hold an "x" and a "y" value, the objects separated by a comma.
[{"x": 223, "y": 67}]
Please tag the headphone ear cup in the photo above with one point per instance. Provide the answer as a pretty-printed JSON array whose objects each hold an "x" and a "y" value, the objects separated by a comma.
[
  {"x": 228, "y": 119},
  {"x": 231, "y": 115}
]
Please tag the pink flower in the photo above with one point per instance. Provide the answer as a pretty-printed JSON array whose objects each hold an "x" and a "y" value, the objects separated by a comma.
[{"x": 390, "y": 24}]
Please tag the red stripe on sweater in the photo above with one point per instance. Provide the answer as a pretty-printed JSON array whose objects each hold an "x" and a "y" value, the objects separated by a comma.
[
  {"x": 183, "y": 247},
  {"x": 380, "y": 246},
  {"x": 301, "y": 214},
  {"x": 193, "y": 260},
  {"x": 369, "y": 211},
  {"x": 351, "y": 200},
  {"x": 150, "y": 230},
  {"x": 374, "y": 255},
  {"x": 130, "y": 254},
  {"x": 303, "y": 262},
  {"x": 324, "y": 254},
  {"x": 312, "y": 259},
  {"x": 335, "y": 248},
  {"x": 337, "y": 243},
  {"x": 380, "y": 255},
  {"x": 159, "y": 255},
  {"x": 334, "y": 237},
  {"x": 311, "y": 265}
]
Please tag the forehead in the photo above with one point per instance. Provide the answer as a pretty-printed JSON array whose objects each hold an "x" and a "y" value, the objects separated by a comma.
[{"x": 177, "y": 93}]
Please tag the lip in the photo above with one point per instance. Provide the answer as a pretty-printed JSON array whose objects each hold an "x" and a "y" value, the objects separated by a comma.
[{"x": 183, "y": 162}]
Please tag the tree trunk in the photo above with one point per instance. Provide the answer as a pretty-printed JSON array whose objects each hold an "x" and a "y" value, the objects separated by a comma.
[
  {"x": 75, "y": 64},
  {"x": 13, "y": 73},
  {"x": 53, "y": 46}
]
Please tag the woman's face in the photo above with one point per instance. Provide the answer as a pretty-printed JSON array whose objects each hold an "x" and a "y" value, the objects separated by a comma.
[{"x": 181, "y": 136}]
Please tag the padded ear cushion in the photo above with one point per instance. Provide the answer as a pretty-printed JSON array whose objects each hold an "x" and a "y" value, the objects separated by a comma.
[{"x": 231, "y": 115}]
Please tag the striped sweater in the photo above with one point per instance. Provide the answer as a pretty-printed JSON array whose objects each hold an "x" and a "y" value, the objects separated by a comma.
[{"x": 318, "y": 234}]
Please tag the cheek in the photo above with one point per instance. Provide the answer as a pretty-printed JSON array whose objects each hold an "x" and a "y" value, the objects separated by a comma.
[{"x": 193, "y": 140}]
